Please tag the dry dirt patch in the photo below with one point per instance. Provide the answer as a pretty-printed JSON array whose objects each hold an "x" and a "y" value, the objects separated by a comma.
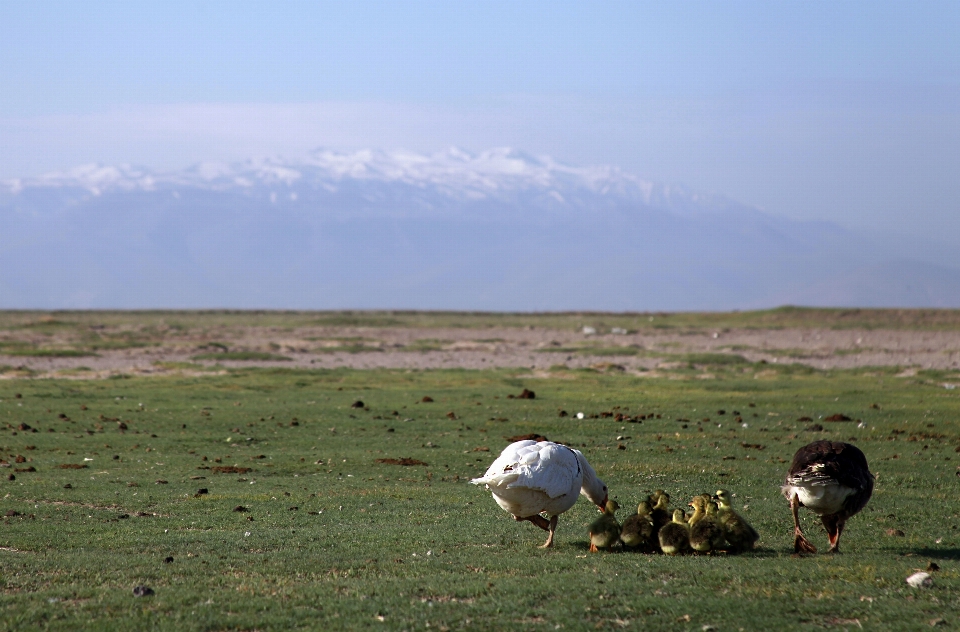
[{"x": 535, "y": 348}]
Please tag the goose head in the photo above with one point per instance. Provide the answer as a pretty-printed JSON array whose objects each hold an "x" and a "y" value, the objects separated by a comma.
[
  {"x": 592, "y": 487},
  {"x": 723, "y": 498}
]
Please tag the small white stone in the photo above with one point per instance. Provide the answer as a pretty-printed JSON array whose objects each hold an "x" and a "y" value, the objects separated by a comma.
[
  {"x": 920, "y": 580},
  {"x": 246, "y": 534},
  {"x": 579, "y": 415}
]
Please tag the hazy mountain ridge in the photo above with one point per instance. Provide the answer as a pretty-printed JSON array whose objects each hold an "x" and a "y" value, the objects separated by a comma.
[
  {"x": 495, "y": 230},
  {"x": 501, "y": 174}
]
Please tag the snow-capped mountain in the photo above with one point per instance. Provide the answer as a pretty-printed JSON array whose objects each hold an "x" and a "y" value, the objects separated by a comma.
[
  {"x": 500, "y": 175},
  {"x": 496, "y": 230}
]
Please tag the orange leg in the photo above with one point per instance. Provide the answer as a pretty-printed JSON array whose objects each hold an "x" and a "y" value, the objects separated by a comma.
[
  {"x": 834, "y": 529},
  {"x": 543, "y": 523},
  {"x": 552, "y": 529},
  {"x": 800, "y": 543}
]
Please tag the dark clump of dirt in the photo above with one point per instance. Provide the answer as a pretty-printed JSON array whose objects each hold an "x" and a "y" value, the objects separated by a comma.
[
  {"x": 73, "y": 466},
  {"x": 229, "y": 469},
  {"x": 426, "y": 399},
  {"x": 168, "y": 559},
  {"x": 814, "y": 428},
  {"x": 142, "y": 591},
  {"x": 838, "y": 417},
  {"x": 357, "y": 404},
  {"x": 533, "y": 436},
  {"x": 525, "y": 394},
  {"x": 25, "y": 469},
  {"x": 804, "y": 418},
  {"x": 402, "y": 461},
  {"x": 240, "y": 509}
]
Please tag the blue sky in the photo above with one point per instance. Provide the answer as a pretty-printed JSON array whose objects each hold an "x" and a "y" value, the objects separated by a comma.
[{"x": 824, "y": 110}]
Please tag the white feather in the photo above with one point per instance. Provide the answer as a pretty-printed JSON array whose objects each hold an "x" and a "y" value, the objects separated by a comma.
[
  {"x": 819, "y": 498},
  {"x": 530, "y": 477}
]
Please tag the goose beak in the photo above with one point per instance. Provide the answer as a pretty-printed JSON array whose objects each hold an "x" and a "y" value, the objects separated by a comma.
[{"x": 603, "y": 505}]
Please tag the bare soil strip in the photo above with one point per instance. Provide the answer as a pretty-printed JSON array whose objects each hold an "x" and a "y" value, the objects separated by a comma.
[{"x": 207, "y": 349}]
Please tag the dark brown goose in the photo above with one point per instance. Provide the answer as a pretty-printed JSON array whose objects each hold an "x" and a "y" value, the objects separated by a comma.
[{"x": 831, "y": 479}]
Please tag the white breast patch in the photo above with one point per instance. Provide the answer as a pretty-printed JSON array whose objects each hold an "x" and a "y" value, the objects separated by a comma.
[{"x": 823, "y": 499}]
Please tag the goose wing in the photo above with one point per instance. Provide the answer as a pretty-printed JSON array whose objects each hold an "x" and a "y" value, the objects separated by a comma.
[
  {"x": 545, "y": 466},
  {"x": 824, "y": 463}
]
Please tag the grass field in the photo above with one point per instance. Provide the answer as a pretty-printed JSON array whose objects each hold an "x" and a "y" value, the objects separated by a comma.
[
  {"x": 329, "y": 538},
  {"x": 142, "y": 328}
]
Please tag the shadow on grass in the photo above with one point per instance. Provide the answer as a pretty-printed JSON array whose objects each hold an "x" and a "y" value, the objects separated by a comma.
[
  {"x": 762, "y": 553},
  {"x": 940, "y": 554}
]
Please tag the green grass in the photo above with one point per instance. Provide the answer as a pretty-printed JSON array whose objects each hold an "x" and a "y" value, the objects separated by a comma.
[
  {"x": 600, "y": 350},
  {"x": 722, "y": 359},
  {"x": 348, "y": 349},
  {"x": 157, "y": 323},
  {"x": 417, "y": 545},
  {"x": 853, "y": 351},
  {"x": 426, "y": 344},
  {"x": 43, "y": 352},
  {"x": 259, "y": 356}
]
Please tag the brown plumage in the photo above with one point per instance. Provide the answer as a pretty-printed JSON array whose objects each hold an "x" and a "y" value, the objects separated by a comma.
[
  {"x": 660, "y": 515},
  {"x": 833, "y": 480},
  {"x": 637, "y": 530},
  {"x": 675, "y": 535},
  {"x": 740, "y": 534},
  {"x": 605, "y": 530},
  {"x": 706, "y": 534}
]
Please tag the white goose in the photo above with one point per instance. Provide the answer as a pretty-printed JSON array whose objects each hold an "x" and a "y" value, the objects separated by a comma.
[{"x": 530, "y": 478}]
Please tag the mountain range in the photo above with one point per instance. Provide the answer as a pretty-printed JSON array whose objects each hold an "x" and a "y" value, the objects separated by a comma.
[{"x": 497, "y": 230}]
